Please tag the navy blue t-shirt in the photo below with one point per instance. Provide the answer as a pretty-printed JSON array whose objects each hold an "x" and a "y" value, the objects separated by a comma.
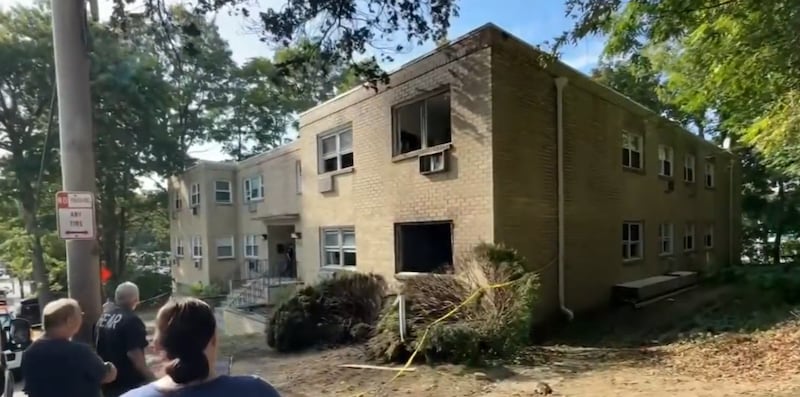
[
  {"x": 239, "y": 386},
  {"x": 61, "y": 368}
]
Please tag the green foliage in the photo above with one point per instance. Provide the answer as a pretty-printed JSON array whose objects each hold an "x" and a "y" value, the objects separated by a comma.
[
  {"x": 338, "y": 311},
  {"x": 773, "y": 284},
  {"x": 495, "y": 324},
  {"x": 200, "y": 290}
]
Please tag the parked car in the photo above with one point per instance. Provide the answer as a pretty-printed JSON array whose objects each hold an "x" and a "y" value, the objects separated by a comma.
[
  {"x": 29, "y": 310},
  {"x": 15, "y": 337}
]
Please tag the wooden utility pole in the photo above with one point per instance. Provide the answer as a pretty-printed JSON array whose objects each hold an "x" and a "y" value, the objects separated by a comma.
[{"x": 70, "y": 45}]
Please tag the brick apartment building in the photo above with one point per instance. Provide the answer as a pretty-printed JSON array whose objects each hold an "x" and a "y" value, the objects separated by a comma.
[{"x": 478, "y": 141}]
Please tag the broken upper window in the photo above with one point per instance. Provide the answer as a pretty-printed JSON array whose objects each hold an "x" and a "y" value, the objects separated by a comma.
[{"x": 422, "y": 124}]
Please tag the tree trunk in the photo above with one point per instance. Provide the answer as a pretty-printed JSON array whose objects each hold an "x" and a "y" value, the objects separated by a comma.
[
  {"x": 776, "y": 247},
  {"x": 121, "y": 247},
  {"x": 21, "y": 287}
]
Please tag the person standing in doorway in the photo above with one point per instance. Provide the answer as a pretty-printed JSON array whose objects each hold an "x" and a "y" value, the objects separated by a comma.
[
  {"x": 121, "y": 339},
  {"x": 55, "y": 366}
]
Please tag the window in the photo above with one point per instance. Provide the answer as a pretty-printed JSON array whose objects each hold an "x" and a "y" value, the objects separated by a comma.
[
  {"x": 197, "y": 247},
  {"x": 424, "y": 247},
  {"x": 253, "y": 188},
  {"x": 688, "y": 237},
  {"x": 339, "y": 247},
  {"x": 250, "y": 246},
  {"x": 631, "y": 150},
  {"x": 709, "y": 237},
  {"x": 631, "y": 241},
  {"x": 665, "y": 160},
  {"x": 179, "y": 248},
  {"x": 222, "y": 192},
  {"x": 688, "y": 168},
  {"x": 335, "y": 150},
  {"x": 422, "y": 124},
  {"x": 709, "y": 175},
  {"x": 225, "y": 248},
  {"x": 298, "y": 176},
  {"x": 195, "y": 199},
  {"x": 665, "y": 236},
  {"x": 178, "y": 201}
]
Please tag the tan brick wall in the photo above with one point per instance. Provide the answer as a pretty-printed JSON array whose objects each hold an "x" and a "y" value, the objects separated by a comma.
[
  {"x": 599, "y": 195},
  {"x": 380, "y": 192}
]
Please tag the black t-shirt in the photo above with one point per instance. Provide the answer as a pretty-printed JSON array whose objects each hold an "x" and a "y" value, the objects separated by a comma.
[
  {"x": 118, "y": 332},
  {"x": 61, "y": 368}
]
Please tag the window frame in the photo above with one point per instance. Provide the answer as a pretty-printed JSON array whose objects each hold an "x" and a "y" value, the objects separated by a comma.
[
  {"x": 689, "y": 231},
  {"x": 246, "y": 240},
  {"x": 340, "y": 247},
  {"x": 177, "y": 202},
  {"x": 298, "y": 176},
  {"x": 217, "y": 190},
  {"x": 666, "y": 237},
  {"x": 689, "y": 164},
  {"x": 708, "y": 237},
  {"x": 229, "y": 242},
  {"x": 197, "y": 242},
  {"x": 626, "y": 244},
  {"x": 668, "y": 161},
  {"x": 180, "y": 249},
  {"x": 194, "y": 199},
  {"x": 638, "y": 149},
  {"x": 710, "y": 166},
  {"x": 396, "y": 149},
  {"x": 247, "y": 188},
  {"x": 338, "y": 152}
]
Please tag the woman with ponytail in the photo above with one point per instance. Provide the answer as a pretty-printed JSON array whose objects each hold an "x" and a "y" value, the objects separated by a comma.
[{"x": 186, "y": 331}]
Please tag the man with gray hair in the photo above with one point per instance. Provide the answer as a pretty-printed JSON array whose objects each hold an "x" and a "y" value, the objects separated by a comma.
[{"x": 121, "y": 339}]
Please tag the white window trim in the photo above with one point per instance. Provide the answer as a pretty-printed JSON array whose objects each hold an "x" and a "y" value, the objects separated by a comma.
[
  {"x": 341, "y": 248},
  {"x": 195, "y": 195},
  {"x": 710, "y": 172},
  {"x": 629, "y": 242},
  {"x": 666, "y": 233},
  {"x": 197, "y": 242},
  {"x": 638, "y": 149},
  {"x": 666, "y": 158},
  {"x": 218, "y": 190},
  {"x": 177, "y": 202},
  {"x": 689, "y": 231},
  {"x": 338, "y": 153},
  {"x": 709, "y": 233},
  {"x": 226, "y": 242},
  {"x": 180, "y": 249},
  {"x": 689, "y": 163},
  {"x": 246, "y": 243},
  {"x": 247, "y": 184}
]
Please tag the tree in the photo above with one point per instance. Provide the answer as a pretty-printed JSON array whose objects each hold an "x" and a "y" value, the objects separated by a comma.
[
  {"x": 342, "y": 30},
  {"x": 26, "y": 104}
]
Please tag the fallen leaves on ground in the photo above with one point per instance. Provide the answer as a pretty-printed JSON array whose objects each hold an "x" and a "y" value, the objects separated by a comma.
[{"x": 758, "y": 356}]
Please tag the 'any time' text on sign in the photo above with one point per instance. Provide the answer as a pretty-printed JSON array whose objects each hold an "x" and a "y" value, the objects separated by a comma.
[{"x": 76, "y": 215}]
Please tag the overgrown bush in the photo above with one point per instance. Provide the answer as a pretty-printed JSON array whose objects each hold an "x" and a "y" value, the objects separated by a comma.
[
  {"x": 338, "y": 311},
  {"x": 495, "y": 323},
  {"x": 776, "y": 283}
]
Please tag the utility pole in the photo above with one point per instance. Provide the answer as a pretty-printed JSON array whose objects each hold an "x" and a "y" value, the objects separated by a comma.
[{"x": 70, "y": 45}]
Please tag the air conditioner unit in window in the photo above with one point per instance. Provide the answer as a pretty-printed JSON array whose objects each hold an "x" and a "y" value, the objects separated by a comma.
[
  {"x": 252, "y": 206},
  {"x": 195, "y": 210},
  {"x": 326, "y": 275},
  {"x": 197, "y": 263},
  {"x": 433, "y": 163}
]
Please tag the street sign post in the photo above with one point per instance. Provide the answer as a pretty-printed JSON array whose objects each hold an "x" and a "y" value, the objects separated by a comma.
[{"x": 76, "y": 220}]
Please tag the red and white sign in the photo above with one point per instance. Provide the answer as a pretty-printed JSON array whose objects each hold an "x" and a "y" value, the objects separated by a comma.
[{"x": 76, "y": 215}]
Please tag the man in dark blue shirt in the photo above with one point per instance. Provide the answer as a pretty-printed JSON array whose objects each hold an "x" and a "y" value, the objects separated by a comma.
[
  {"x": 121, "y": 339},
  {"x": 54, "y": 366}
]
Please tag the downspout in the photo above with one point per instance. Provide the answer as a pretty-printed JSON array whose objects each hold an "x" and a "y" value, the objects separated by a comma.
[
  {"x": 726, "y": 144},
  {"x": 561, "y": 82}
]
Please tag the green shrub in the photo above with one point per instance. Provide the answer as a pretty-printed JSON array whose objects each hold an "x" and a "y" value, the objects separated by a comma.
[
  {"x": 775, "y": 283},
  {"x": 494, "y": 324},
  {"x": 338, "y": 311},
  {"x": 200, "y": 290}
]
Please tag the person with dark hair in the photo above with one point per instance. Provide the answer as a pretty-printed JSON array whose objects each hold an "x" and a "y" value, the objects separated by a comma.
[{"x": 186, "y": 330}]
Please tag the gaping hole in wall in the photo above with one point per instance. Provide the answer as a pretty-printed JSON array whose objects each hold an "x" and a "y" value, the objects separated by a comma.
[
  {"x": 422, "y": 124},
  {"x": 424, "y": 247}
]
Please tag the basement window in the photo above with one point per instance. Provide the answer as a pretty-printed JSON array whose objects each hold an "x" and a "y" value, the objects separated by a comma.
[
  {"x": 422, "y": 124},
  {"x": 424, "y": 247}
]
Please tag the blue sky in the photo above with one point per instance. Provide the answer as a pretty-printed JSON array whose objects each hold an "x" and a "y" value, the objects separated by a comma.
[{"x": 531, "y": 20}]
